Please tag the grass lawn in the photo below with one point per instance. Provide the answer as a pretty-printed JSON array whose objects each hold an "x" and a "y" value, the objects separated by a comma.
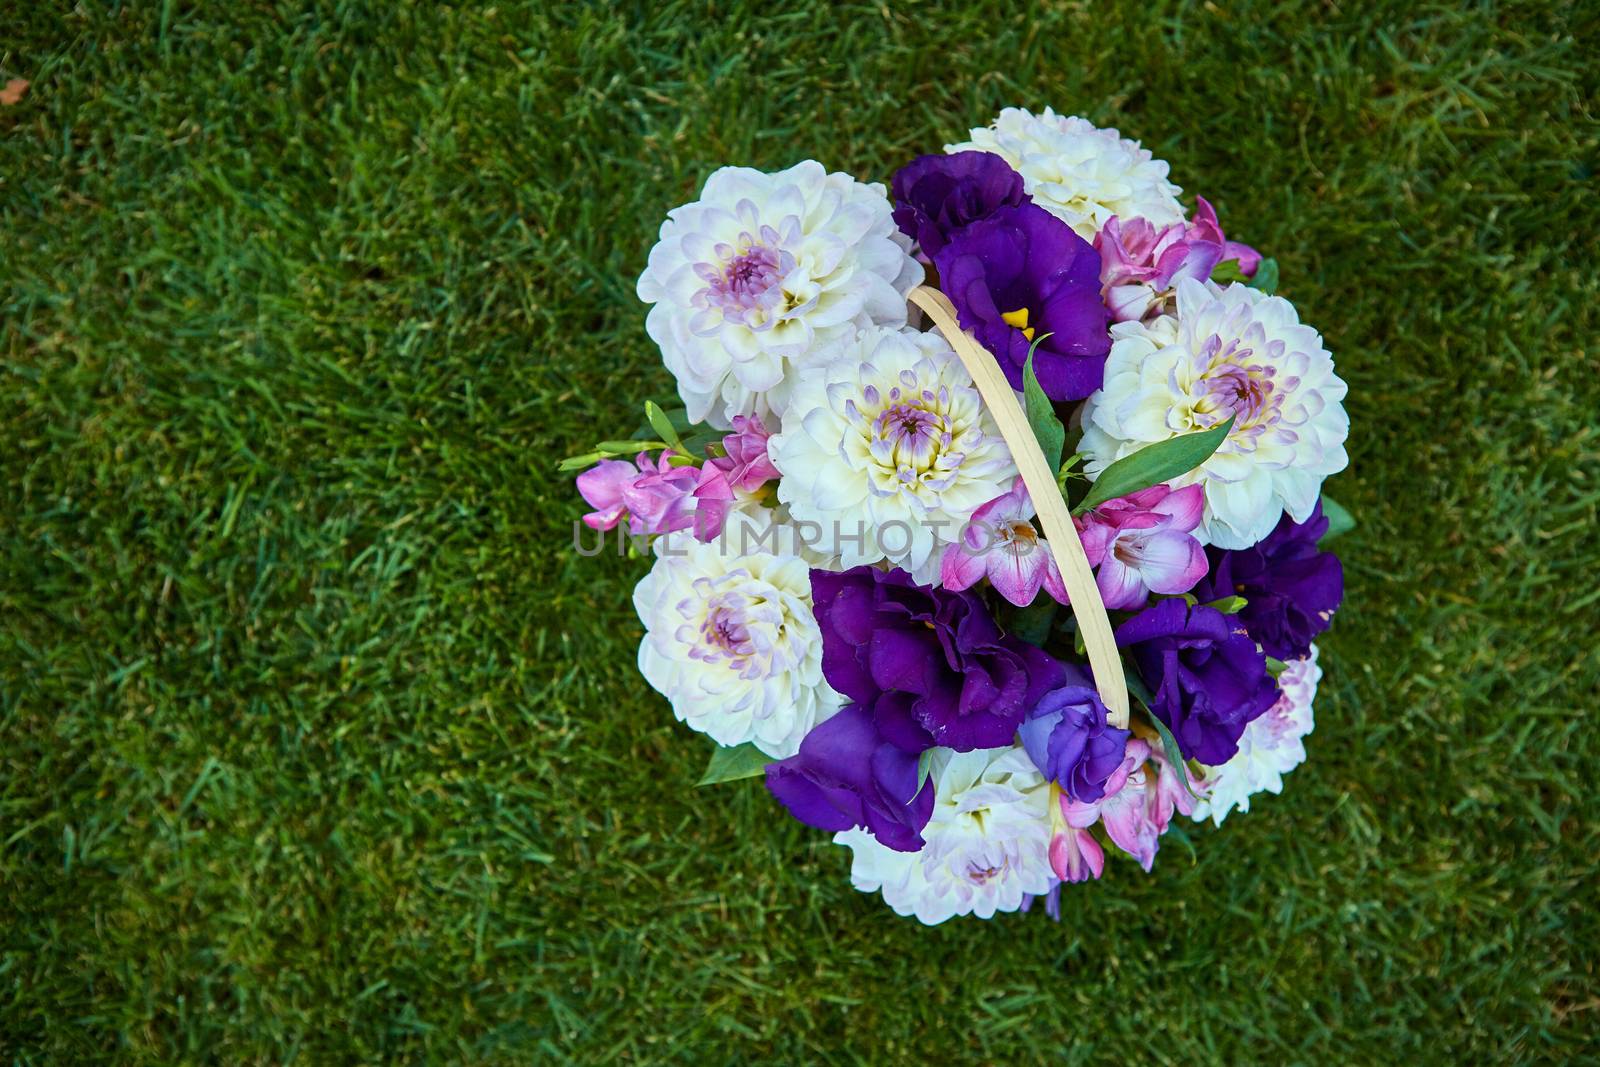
[{"x": 318, "y": 744}]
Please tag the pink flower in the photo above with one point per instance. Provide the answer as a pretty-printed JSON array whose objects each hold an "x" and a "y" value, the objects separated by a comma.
[
  {"x": 1124, "y": 810},
  {"x": 657, "y": 497},
  {"x": 1140, "y": 266},
  {"x": 1144, "y": 543},
  {"x": 1137, "y": 816},
  {"x": 661, "y": 499},
  {"x": 1169, "y": 794},
  {"x": 746, "y": 464},
  {"x": 1075, "y": 856},
  {"x": 713, "y": 499},
  {"x": 602, "y": 485},
  {"x": 1136, "y": 810},
  {"x": 1129, "y": 818},
  {"x": 1000, "y": 543}
]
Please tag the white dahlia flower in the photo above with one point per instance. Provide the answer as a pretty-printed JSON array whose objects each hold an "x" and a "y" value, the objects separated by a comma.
[
  {"x": 888, "y": 449},
  {"x": 1271, "y": 747},
  {"x": 988, "y": 841},
  {"x": 750, "y": 279},
  {"x": 1079, "y": 172},
  {"x": 1233, "y": 351},
  {"x": 730, "y": 639}
]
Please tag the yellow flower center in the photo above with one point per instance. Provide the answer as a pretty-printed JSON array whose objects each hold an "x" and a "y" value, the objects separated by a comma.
[{"x": 1019, "y": 319}]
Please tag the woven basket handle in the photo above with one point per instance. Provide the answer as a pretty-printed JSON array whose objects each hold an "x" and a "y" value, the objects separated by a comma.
[{"x": 1090, "y": 609}]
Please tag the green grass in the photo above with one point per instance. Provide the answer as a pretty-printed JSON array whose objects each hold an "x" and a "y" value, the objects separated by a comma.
[{"x": 318, "y": 744}]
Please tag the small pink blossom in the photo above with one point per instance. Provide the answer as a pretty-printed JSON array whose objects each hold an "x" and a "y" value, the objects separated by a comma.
[
  {"x": 1169, "y": 795},
  {"x": 1144, "y": 542},
  {"x": 713, "y": 499},
  {"x": 1136, "y": 810},
  {"x": 1125, "y": 809},
  {"x": 1000, "y": 543},
  {"x": 656, "y": 497},
  {"x": 1140, "y": 266},
  {"x": 746, "y": 465},
  {"x": 602, "y": 485},
  {"x": 662, "y": 498},
  {"x": 1129, "y": 818},
  {"x": 1075, "y": 855},
  {"x": 1137, "y": 816}
]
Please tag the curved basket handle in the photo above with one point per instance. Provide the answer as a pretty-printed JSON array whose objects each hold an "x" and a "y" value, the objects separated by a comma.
[{"x": 1087, "y": 605}]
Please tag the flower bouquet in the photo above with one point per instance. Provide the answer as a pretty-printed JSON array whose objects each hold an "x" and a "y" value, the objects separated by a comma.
[{"x": 956, "y": 475}]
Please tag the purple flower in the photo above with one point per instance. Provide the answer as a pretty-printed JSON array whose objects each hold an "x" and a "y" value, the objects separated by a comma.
[
  {"x": 938, "y": 195},
  {"x": 929, "y": 664},
  {"x": 846, "y": 775},
  {"x": 1290, "y": 587},
  {"x": 1022, "y": 273},
  {"x": 1052, "y": 899},
  {"x": 1208, "y": 679},
  {"x": 1144, "y": 542},
  {"x": 1068, "y": 739}
]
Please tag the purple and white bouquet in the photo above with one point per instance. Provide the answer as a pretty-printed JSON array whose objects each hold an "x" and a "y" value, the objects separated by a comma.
[{"x": 850, "y": 593}]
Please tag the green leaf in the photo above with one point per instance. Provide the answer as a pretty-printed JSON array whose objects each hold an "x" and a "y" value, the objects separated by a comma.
[
  {"x": 1136, "y": 686},
  {"x": 577, "y": 463},
  {"x": 1041, "y": 413},
  {"x": 1228, "y": 605},
  {"x": 731, "y": 764},
  {"x": 1275, "y": 666},
  {"x": 1228, "y": 271},
  {"x": 924, "y": 769},
  {"x": 1153, "y": 464},
  {"x": 607, "y": 450},
  {"x": 628, "y": 448},
  {"x": 662, "y": 425},
  {"x": 1069, "y": 470},
  {"x": 1169, "y": 744},
  {"x": 697, "y": 443},
  {"x": 1032, "y": 623},
  {"x": 1266, "y": 278},
  {"x": 676, "y": 414},
  {"x": 1339, "y": 520}
]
